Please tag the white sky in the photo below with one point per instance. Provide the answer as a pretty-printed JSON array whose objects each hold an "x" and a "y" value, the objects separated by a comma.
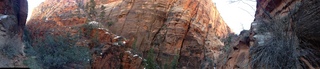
[
  {"x": 235, "y": 14},
  {"x": 31, "y": 5}
]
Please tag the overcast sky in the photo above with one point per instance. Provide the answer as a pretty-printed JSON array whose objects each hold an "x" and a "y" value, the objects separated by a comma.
[
  {"x": 235, "y": 14},
  {"x": 31, "y": 5}
]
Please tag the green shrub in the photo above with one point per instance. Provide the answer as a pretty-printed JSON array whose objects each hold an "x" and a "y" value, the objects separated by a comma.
[
  {"x": 110, "y": 24},
  {"x": 56, "y": 52},
  {"x": 174, "y": 63},
  {"x": 150, "y": 62},
  {"x": 12, "y": 47},
  {"x": 10, "y": 50},
  {"x": 31, "y": 63}
]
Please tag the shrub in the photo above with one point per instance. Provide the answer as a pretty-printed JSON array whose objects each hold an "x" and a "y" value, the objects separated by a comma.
[
  {"x": 277, "y": 47},
  {"x": 31, "y": 63},
  {"x": 110, "y": 24},
  {"x": 150, "y": 62},
  {"x": 277, "y": 53},
  {"x": 56, "y": 52},
  {"x": 174, "y": 62},
  {"x": 12, "y": 47},
  {"x": 9, "y": 50}
]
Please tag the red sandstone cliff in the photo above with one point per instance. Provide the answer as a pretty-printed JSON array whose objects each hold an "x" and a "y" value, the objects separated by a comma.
[
  {"x": 181, "y": 33},
  {"x": 186, "y": 34}
]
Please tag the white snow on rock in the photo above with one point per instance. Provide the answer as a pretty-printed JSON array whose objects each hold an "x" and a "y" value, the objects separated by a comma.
[
  {"x": 116, "y": 37},
  {"x": 135, "y": 55},
  {"x": 124, "y": 42},
  {"x": 128, "y": 52},
  {"x": 261, "y": 38},
  {"x": 116, "y": 43},
  {"x": 3, "y": 17},
  {"x": 107, "y": 33},
  {"x": 94, "y": 22}
]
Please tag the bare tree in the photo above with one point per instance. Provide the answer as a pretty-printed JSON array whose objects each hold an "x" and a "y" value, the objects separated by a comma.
[{"x": 244, "y": 2}]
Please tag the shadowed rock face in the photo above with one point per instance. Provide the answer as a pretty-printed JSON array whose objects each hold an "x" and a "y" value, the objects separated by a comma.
[
  {"x": 13, "y": 14},
  {"x": 183, "y": 33},
  {"x": 236, "y": 52},
  {"x": 16, "y": 8},
  {"x": 299, "y": 20},
  {"x": 284, "y": 34}
]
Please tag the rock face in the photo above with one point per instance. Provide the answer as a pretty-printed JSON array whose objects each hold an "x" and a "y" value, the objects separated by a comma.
[
  {"x": 177, "y": 33},
  {"x": 236, "y": 52},
  {"x": 13, "y": 14},
  {"x": 284, "y": 34},
  {"x": 297, "y": 21}
]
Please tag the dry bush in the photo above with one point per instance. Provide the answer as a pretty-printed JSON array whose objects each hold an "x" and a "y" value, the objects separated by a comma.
[
  {"x": 284, "y": 49},
  {"x": 279, "y": 51}
]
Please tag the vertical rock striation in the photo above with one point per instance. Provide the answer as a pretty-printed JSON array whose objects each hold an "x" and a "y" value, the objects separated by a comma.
[{"x": 181, "y": 33}]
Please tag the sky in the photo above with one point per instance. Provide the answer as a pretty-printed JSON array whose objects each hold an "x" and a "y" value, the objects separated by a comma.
[
  {"x": 238, "y": 15},
  {"x": 31, "y": 5}
]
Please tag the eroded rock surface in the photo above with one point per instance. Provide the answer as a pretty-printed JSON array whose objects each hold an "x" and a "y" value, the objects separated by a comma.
[
  {"x": 181, "y": 33},
  {"x": 13, "y": 14}
]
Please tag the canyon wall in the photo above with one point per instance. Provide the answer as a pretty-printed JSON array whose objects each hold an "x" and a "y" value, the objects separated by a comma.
[
  {"x": 284, "y": 34},
  {"x": 158, "y": 33},
  {"x": 13, "y": 14}
]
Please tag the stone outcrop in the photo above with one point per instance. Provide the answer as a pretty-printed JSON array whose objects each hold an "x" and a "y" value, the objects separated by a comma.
[
  {"x": 178, "y": 33},
  {"x": 236, "y": 52},
  {"x": 13, "y": 14}
]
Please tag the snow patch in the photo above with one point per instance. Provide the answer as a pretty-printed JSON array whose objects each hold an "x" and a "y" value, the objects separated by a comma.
[
  {"x": 3, "y": 17},
  {"x": 124, "y": 42},
  {"x": 261, "y": 38},
  {"x": 116, "y": 43},
  {"x": 128, "y": 52},
  {"x": 135, "y": 55},
  {"x": 47, "y": 18},
  {"x": 107, "y": 33},
  {"x": 101, "y": 28},
  {"x": 94, "y": 22},
  {"x": 254, "y": 24},
  {"x": 116, "y": 37}
]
